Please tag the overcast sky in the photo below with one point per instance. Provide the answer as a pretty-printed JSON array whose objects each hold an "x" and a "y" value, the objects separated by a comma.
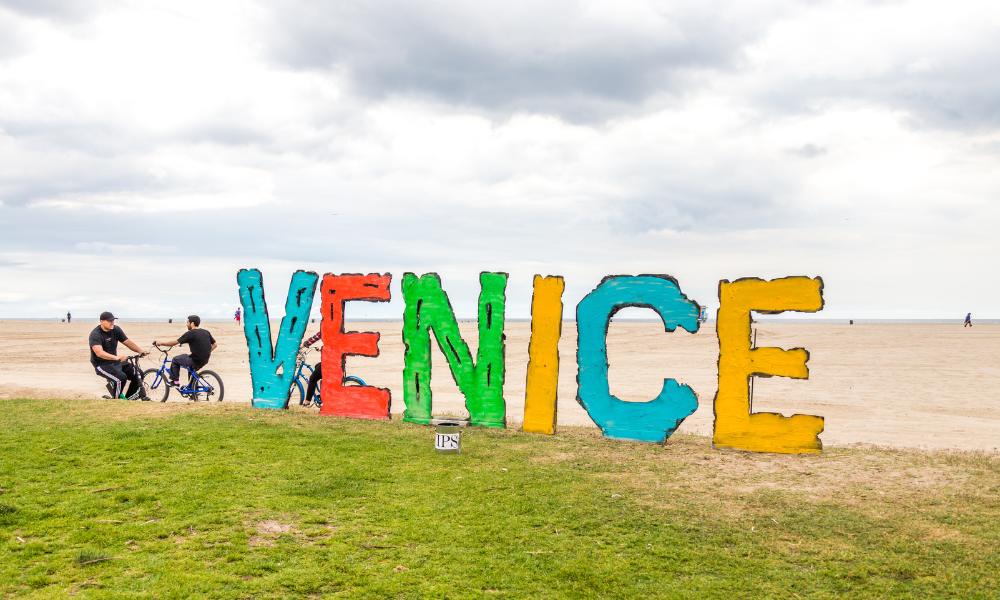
[{"x": 148, "y": 150}]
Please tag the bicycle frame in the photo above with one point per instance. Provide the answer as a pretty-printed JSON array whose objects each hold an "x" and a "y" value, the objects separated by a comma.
[{"x": 195, "y": 384}]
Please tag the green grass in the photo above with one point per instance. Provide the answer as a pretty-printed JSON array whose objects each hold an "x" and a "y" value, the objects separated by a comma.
[{"x": 116, "y": 499}]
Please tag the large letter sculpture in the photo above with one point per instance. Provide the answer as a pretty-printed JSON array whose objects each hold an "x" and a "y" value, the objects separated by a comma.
[
  {"x": 481, "y": 382},
  {"x": 735, "y": 426},
  {"x": 651, "y": 421},
  {"x": 542, "y": 382},
  {"x": 273, "y": 367},
  {"x": 362, "y": 402}
]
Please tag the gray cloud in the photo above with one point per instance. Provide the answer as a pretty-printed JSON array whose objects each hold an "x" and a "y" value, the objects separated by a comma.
[
  {"x": 552, "y": 59},
  {"x": 23, "y": 188},
  {"x": 936, "y": 63},
  {"x": 735, "y": 202},
  {"x": 540, "y": 59},
  {"x": 807, "y": 151},
  {"x": 76, "y": 175},
  {"x": 963, "y": 93},
  {"x": 959, "y": 96},
  {"x": 91, "y": 136}
]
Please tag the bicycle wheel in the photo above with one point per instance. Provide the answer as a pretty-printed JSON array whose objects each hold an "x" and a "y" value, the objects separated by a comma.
[
  {"x": 354, "y": 379},
  {"x": 158, "y": 393},
  {"x": 211, "y": 380}
]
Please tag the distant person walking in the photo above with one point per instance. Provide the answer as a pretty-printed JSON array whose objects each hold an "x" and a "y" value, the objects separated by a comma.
[
  {"x": 238, "y": 316},
  {"x": 69, "y": 317},
  {"x": 968, "y": 320}
]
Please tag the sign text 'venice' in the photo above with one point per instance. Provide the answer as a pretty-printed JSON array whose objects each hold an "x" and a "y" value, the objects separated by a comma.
[{"x": 481, "y": 379}]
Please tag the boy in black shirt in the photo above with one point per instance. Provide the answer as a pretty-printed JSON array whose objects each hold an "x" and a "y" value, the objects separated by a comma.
[
  {"x": 108, "y": 364},
  {"x": 201, "y": 343}
]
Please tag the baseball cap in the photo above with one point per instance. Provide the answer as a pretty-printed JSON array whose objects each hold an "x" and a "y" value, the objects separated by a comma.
[{"x": 107, "y": 316}]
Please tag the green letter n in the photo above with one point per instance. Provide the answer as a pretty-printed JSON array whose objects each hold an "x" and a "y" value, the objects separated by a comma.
[{"x": 481, "y": 382}]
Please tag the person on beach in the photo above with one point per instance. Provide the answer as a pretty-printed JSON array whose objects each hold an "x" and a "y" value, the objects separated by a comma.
[
  {"x": 238, "y": 316},
  {"x": 317, "y": 373},
  {"x": 69, "y": 317},
  {"x": 968, "y": 320},
  {"x": 199, "y": 341},
  {"x": 112, "y": 366}
]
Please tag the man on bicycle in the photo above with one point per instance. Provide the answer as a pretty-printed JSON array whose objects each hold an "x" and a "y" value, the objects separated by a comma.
[
  {"x": 109, "y": 365},
  {"x": 201, "y": 343}
]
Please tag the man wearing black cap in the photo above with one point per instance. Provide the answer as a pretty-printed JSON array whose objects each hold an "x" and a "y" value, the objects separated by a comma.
[
  {"x": 109, "y": 365},
  {"x": 201, "y": 343}
]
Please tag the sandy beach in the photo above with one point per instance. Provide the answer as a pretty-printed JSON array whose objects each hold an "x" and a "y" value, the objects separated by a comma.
[{"x": 903, "y": 385}]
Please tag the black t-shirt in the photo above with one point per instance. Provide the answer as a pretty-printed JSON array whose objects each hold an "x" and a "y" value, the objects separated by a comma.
[
  {"x": 200, "y": 342},
  {"x": 108, "y": 340}
]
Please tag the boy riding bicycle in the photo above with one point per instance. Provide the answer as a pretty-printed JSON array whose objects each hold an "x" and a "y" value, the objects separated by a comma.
[{"x": 201, "y": 343}]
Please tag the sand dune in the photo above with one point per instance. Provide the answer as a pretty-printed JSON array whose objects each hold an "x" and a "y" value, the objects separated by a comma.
[{"x": 904, "y": 385}]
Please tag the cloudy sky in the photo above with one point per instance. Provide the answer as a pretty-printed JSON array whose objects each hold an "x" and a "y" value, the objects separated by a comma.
[{"x": 148, "y": 150}]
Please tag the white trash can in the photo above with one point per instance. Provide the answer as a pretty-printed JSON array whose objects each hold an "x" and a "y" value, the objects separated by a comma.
[{"x": 448, "y": 437}]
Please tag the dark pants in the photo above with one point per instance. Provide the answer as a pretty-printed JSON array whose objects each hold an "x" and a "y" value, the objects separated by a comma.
[
  {"x": 182, "y": 360},
  {"x": 317, "y": 374},
  {"x": 117, "y": 374}
]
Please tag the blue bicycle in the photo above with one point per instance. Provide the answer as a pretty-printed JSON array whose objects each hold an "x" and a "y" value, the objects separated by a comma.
[
  {"x": 201, "y": 385},
  {"x": 303, "y": 371}
]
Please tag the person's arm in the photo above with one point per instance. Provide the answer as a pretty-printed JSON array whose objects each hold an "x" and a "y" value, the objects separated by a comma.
[
  {"x": 134, "y": 348},
  {"x": 99, "y": 351},
  {"x": 214, "y": 344},
  {"x": 168, "y": 343},
  {"x": 313, "y": 339}
]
